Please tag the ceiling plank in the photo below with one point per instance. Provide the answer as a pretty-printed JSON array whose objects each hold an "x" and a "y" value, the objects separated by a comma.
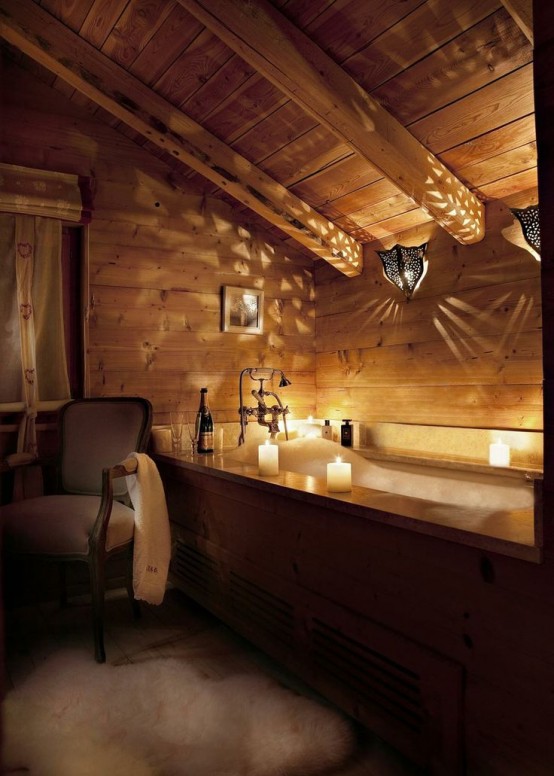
[
  {"x": 521, "y": 12},
  {"x": 265, "y": 39},
  {"x": 43, "y": 38}
]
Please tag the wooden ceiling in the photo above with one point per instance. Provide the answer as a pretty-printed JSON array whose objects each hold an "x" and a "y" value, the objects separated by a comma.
[{"x": 340, "y": 122}]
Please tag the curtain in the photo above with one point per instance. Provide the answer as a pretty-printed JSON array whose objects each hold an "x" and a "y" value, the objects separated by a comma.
[
  {"x": 32, "y": 337},
  {"x": 44, "y": 193},
  {"x": 10, "y": 339}
]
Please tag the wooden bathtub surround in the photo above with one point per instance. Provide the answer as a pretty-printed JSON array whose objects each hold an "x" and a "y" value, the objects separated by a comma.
[
  {"x": 337, "y": 588},
  {"x": 513, "y": 532}
]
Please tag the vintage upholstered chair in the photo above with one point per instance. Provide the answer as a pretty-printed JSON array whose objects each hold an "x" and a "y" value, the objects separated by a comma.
[{"x": 89, "y": 518}]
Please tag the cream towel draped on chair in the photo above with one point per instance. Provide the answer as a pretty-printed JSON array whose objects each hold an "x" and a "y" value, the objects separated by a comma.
[{"x": 152, "y": 548}]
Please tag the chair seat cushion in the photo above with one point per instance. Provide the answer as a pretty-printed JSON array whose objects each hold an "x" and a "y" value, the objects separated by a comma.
[{"x": 61, "y": 525}]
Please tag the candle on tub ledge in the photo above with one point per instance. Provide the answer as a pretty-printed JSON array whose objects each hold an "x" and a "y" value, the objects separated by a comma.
[
  {"x": 310, "y": 429},
  {"x": 339, "y": 476},
  {"x": 268, "y": 459},
  {"x": 499, "y": 454}
]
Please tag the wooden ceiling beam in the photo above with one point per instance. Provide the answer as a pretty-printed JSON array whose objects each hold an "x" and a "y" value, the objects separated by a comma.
[
  {"x": 46, "y": 40},
  {"x": 287, "y": 57},
  {"x": 521, "y": 12}
]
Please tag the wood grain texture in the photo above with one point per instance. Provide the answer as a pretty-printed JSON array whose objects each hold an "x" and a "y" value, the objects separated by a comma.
[
  {"x": 466, "y": 350},
  {"x": 149, "y": 114},
  {"x": 303, "y": 71},
  {"x": 434, "y": 62},
  {"x": 458, "y": 601},
  {"x": 158, "y": 258}
]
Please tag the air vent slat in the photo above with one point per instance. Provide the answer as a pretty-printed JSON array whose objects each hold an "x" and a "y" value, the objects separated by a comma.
[
  {"x": 254, "y": 604},
  {"x": 409, "y": 716},
  {"x": 194, "y": 558},
  {"x": 364, "y": 650},
  {"x": 366, "y": 669},
  {"x": 373, "y": 677},
  {"x": 369, "y": 681},
  {"x": 194, "y": 568},
  {"x": 259, "y": 594}
]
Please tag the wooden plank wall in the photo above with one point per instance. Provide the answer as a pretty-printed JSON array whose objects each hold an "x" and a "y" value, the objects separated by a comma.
[
  {"x": 464, "y": 351},
  {"x": 158, "y": 258}
]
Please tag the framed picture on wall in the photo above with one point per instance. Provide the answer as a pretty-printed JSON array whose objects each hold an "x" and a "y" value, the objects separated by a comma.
[{"x": 242, "y": 310}]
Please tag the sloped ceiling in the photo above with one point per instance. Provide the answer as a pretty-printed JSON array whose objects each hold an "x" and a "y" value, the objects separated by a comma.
[{"x": 341, "y": 123}]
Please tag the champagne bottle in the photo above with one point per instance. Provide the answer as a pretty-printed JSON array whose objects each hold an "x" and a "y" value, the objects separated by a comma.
[{"x": 206, "y": 425}]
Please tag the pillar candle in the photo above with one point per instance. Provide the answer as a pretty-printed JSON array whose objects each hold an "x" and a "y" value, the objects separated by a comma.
[
  {"x": 268, "y": 460},
  {"x": 499, "y": 454},
  {"x": 339, "y": 477},
  {"x": 310, "y": 430}
]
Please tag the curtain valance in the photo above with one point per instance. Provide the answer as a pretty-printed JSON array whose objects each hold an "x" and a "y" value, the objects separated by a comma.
[{"x": 44, "y": 193}]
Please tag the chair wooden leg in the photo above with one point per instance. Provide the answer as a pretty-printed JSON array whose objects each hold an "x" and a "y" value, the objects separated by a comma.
[{"x": 97, "y": 583}]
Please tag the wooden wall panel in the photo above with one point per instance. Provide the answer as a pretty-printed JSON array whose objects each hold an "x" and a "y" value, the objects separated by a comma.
[
  {"x": 465, "y": 351},
  {"x": 158, "y": 258}
]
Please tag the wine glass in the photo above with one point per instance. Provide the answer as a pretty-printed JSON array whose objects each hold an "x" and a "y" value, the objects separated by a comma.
[
  {"x": 176, "y": 420},
  {"x": 218, "y": 417},
  {"x": 191, "y": 422}
]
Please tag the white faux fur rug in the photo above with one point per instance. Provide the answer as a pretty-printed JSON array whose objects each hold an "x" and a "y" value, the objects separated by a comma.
[{"x": 74, "y": 717}]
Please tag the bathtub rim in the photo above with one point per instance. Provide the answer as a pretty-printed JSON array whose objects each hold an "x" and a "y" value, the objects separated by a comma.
[{"x": 513, "y": 533}]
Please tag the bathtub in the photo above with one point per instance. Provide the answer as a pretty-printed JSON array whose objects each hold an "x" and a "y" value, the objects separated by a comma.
[
  {"x": 474, "y": 489},
  {"x": 326, "y": 581}
]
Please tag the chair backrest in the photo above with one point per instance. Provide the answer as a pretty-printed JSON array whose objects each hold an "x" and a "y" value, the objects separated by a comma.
[{"x": 98, "y": 433}]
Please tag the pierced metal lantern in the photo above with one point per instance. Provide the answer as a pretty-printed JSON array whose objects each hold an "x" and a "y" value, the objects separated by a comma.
[
  {"x": 529, "y": 219},
  {"x": 405, "y": 267}
]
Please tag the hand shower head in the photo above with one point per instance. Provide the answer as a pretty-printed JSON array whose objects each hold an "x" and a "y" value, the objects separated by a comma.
[{"x": 260, "y": 373}]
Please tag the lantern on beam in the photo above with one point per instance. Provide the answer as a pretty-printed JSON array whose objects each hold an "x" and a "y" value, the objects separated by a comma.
[
  {"x": 528, "y": 217},
  {"x": 405, "y": 266}
]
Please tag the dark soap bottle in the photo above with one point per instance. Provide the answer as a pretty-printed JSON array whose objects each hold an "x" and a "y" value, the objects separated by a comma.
[
  {"x": 346, "y": 433},
  {"x": 206, "y": 426}
]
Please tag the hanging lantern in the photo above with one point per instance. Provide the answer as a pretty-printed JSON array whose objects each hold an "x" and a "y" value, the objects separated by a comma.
[
  {"x": 529, "y": 219},
  {"x": 405, "y": 267}
]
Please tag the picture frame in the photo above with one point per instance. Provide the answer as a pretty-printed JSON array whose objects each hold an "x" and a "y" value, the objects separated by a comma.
[{"x": 242, "y": 310}]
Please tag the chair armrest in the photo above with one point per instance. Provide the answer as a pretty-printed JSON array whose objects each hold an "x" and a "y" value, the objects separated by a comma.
[{"x": 124, "y": 468}]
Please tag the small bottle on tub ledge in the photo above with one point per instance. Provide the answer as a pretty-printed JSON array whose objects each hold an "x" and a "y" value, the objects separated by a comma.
[
  {"x": 326, "y": 430},
  {"x": 346, "y": 433}
]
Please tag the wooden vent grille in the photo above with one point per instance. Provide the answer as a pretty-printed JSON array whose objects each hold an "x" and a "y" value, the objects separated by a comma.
[
  {"x": 374, "y": 679},
  {"x": 194, "y": 568},
  {"x": 251, "y": 603}
]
